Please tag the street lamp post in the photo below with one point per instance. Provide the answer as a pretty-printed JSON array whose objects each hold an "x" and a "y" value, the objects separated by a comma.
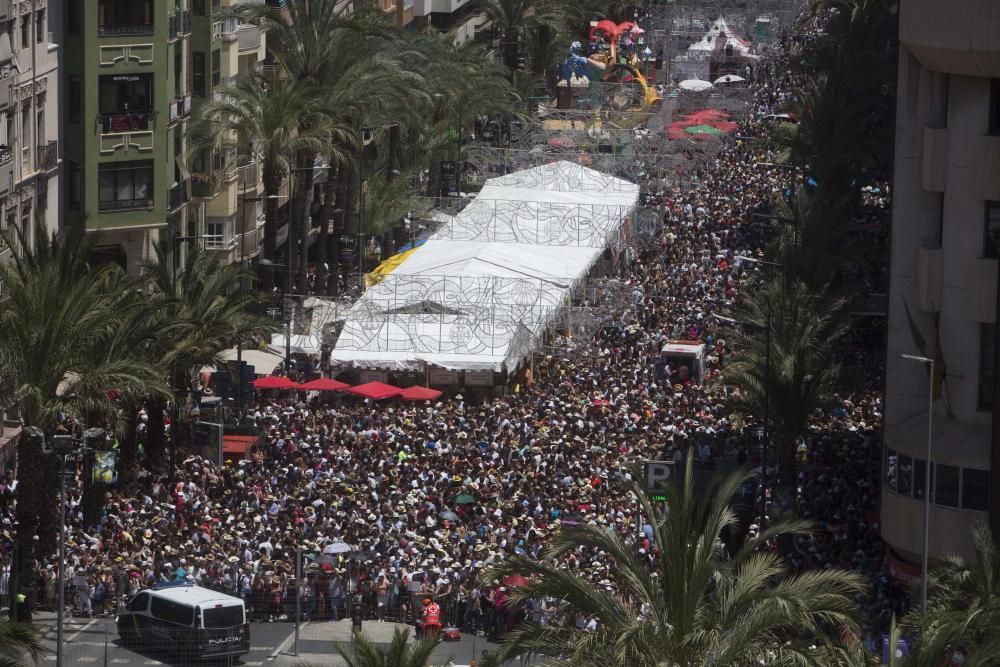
[
  {"x": 927, "y": 476},
  {"x": 285, "y": 308}
]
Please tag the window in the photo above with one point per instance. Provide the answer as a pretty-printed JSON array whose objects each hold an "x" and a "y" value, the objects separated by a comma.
[
  {"x": 73, "y": 16},
  {"x": 890, "y": 469},
  {"x": 987, "y": 362},
  {"x": 991, "y": 229},
  {"x": 178, "y": 73},
  {"x": 25, "y": 31},
  {"x": 198, "y": 73},
  {"x": 75, "y": 98},
  {"x": 993, "y": 126},
  {"x": 198, "y": 7},
  {"x": 919, "y": 476},
  {"x": 40, "y": 37},
  {"x": 172, "y": 612},
  {"x": 946, "y": 486},
  {"x": 975, "y": 489},
  {"x": 40, "y": 125},
  {"x": 139, "y": 603},
  {"x": 905, "y": 475},
  {"x": 216, "y": 67},
  {"x": 125, "y": 185},
  {"x": 74, "y": 186},
  {"x": 224, "y": 617},
  {"x": 25, "y": 127},
  {"x": 121, "y": 93},
  {"x": 125, "y": 16}
]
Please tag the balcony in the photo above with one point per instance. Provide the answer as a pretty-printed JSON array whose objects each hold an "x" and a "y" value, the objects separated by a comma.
[
  {"x": 125, "y": 30},
  {"x": 204, "y": 186},
  {"x": 186, "y": 22},
  {"x": 47, "y": 156},
  {"x": 125, "y": 204},
  {"x": 180, "y": 108},
  {"x": 126, "y": 122},
  {"x": 173, "y": 26},
  {"x": 177, "y": 196},
  {"x": 226, "y": 31},
  {"x": 249, "y": 37}
]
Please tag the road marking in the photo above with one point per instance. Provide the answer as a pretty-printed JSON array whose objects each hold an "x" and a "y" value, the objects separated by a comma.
[
  {"x": 261, "y": 648},
  {"x": 288, "y": 642},
  {"x": 152, "y": 662},
  {"x": 253, "y": 664},
  {"x": 50, "y": 657},
  {"x": 87, "y": 658},
  {"x": 120, "y": 661},
  {"x": 81, "y": 631}
]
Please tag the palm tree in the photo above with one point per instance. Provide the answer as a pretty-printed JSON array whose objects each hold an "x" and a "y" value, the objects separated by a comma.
[
  {"x": 363, "y": 653},
  {"x": 799, "y": 371},
  {"x": 694, "y": 606},
  {"x": 963, "y": 608},
  {"x": 274, "y": 121},
  {"x": 64, "y": 332},
  {"x": 512, "y": 19},
  {"x": 200, "y": 311},
  {"x": 16, "y": 640}
]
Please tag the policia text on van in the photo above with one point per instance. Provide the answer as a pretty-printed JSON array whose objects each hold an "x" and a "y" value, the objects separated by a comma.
[{"x": 187, "y": 620}]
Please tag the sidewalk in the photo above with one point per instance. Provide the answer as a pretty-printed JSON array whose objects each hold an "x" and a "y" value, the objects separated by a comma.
[{"x": 316, "y": 644}]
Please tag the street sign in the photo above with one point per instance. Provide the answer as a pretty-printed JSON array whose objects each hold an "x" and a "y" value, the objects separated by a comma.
[{"x": 659, "y": 475}]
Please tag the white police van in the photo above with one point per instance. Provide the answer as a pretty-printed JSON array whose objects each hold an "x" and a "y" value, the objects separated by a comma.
[{"x": 187, "y": 620}]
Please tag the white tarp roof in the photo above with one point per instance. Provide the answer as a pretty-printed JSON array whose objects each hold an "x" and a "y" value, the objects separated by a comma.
[{"x": 477, "y": 294}]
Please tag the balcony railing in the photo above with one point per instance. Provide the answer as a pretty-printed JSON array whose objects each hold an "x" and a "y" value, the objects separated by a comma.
[
  {"x": 178, "y": 195},
  {"x": 186, "y": 22},
  {"x": 125, "y": 30},
  {"x": 125, "y": 204},
  {"x": 204, "y": 186},
  {"x": 249, "y": 176},
  {"x": 48, "y": 156},
  {"x": 6, "y": 155},
  {"x": 180, "y": 108},
  {"x": 173, "y": 26},
  {"x": 218, "y": 242},
  {"x": 126, "y": 122}
]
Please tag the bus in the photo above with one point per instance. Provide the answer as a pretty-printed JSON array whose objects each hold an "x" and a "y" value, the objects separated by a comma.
[{"x": 185, "y": 619}]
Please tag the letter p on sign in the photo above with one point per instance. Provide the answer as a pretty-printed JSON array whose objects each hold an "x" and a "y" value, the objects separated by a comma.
[{"x": 658, "y": 473}]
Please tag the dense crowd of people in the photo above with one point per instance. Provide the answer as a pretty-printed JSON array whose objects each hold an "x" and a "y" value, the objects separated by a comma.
[{"x": 426, "y": 496}]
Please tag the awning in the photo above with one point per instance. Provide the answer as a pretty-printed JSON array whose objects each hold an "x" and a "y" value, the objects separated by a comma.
[
  {"x": 237, "y": 445},
  {"x": 324, "y": 384},
  {"x": 274, "y": 382},
  {"x": 376, "y": 391},
  {"x": 418, "y": 393}
]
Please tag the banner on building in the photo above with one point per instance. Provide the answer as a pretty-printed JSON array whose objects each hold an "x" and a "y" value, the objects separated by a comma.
[
  {"x": 103, "y": 467},
  {"x": 902, "y": 573}
]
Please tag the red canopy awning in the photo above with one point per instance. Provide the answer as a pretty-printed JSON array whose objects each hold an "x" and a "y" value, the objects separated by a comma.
[
  {"x": 237, "y": 445},
  {"x": 375, "y": 390},
  {"x": 418, "y": 393},
  {"x": 324, "y": 384},
  {"x": 274, "y": 382}
]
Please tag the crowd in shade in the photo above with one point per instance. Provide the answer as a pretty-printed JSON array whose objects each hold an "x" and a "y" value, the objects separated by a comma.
[{"x": 393, "y": 501}]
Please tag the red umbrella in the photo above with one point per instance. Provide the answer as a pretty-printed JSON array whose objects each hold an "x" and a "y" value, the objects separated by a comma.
[
  {"x": 418, "y": 393},
  {"x": 375, "y": 390},
  {"x": 515, "y": 581},
  {"x": 274, "y": 382},
  {"x": 324, "y": 384}
]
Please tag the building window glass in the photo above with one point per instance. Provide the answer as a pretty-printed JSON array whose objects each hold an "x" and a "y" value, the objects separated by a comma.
[
  {"x": 40, "y": 37},
  {"x": 904, "y": 475},
  {"x": 987, "y": 361},
  {"x": 890, "y": 469},
  {"x": 73, "y": 16},
  {"x": 118, "y": 93},
  {"x": 975, "y": 489},
  {"x": 216, "y": 67},
  {"x": 73, "y": 185},
  {"x": 125, "y": 185},
  {"x": 946, "y": 485},
  {"x": 994, "y": 121},
  {"x": 25, "y": 31},
  {"x": 198, "y": 73},
  {"x": 198, "y": 7}
]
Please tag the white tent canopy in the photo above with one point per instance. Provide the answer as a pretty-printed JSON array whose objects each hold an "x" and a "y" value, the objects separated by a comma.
[
  {"x": 694, "y": 85},
  {"x": 721, "y": 30},
  {"x": 479, "y": 293}
]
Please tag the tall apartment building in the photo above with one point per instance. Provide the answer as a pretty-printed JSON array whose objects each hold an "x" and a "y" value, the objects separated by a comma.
[
  {"x": 136, "y": 70},
  {"x": 946, "y": 202},
  {"x": 29, "y": 126}
]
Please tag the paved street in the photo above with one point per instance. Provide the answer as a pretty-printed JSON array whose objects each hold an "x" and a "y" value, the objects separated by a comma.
[{"x": 95, "y": 642}]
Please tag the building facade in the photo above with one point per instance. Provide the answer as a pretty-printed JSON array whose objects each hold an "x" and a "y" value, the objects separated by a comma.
[
  {"x": 942, "y": 302},
  {"x": 29, "y": 123},
  {"x": 136, "y": 71}
]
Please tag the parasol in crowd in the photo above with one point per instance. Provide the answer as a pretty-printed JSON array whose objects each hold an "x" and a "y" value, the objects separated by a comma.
[
  {"x": 515, "y": 581},
  {"x": 274, "y": 382},
  {"x": 448, "y": 515},
  {"x": 337, "y": 548},
  {"x": 464, "y": 499}
]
